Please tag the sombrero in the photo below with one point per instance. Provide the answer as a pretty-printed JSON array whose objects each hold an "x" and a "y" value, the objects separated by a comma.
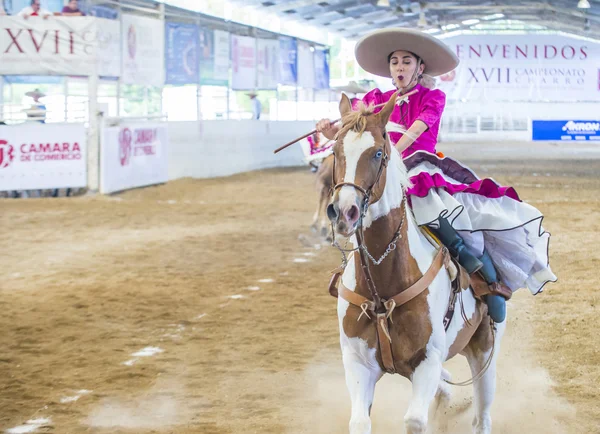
[
  {"x": 372, "y": 51},
  {"x": 35, "y": 93},
  {"x": 351, "y": 87}
]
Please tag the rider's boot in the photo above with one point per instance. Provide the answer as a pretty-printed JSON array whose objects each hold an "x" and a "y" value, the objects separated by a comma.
[
  {"x": 456, "y": 246},
  {"x": 496, "y": 303}
]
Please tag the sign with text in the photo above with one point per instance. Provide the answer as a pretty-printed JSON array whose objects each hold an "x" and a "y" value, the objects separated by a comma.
[
  {"x": 523, "y": 68},
  {"x": 58, "y": 46},
  {"x": 133, "y": 155},
  {"x": 566, "y": 130},
  {"x": 39, "y": 156}
]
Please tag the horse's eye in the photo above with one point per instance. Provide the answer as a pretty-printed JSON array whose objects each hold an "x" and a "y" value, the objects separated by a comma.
[{"x": 379, "y": 154}]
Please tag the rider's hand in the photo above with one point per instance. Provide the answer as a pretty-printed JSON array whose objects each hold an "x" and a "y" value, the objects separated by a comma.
[{"x": 327, "y": 128}]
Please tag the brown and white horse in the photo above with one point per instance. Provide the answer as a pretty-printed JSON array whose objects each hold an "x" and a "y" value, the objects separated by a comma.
[
  {"x": 366, "y": 165},
  {"x": 320, "y": 223}
]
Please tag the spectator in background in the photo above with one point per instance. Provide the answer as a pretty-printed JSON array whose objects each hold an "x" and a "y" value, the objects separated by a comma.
[
  {"x": 35, "y": 10},
  {"x": 2, "y": 11},
  {"x": 37, "y": 111},
  {"x": 72, "y": 10},
  {"x": 256, "y": 105}
]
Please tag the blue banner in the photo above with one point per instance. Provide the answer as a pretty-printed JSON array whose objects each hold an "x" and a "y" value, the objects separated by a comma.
[
  {"x": 33, "y": 79},
  {"x": 321, "y": 69},
  {"x": 51, "y": 5},
  {"x": 566, "y": 130},
  {"x": 181, "y": 53},
  {"x": 288, "y": 60}
]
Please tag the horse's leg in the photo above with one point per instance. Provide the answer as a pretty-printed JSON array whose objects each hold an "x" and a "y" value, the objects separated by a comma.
[
  {"x": 361, "y": 377},
  {"x": 324, "y": 223},
  {"x": 317, "y": 215},
  {"x": 443, "y": 394},
  {"x": 425, "y": 382},
  {"x": 478, "y": 352}
]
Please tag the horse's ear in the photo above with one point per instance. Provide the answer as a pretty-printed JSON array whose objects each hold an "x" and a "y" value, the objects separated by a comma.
[
  {"x": 345, "y": 105},
  {"x": 386, "y": 111}
]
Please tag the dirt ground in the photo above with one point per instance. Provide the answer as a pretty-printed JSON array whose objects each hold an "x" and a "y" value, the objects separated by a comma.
[{"x": 224, "y": 282}]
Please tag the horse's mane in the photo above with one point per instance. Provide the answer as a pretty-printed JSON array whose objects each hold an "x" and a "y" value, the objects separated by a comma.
[{"x": 356, "y": 120}]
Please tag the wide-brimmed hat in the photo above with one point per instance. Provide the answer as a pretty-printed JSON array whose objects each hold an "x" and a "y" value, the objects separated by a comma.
[
  {"x": 372, "y": 51},
  {"x": 351, "y": 87},
  {"x": 251, "y": 94},
  {"x": 35, "y": 93}
]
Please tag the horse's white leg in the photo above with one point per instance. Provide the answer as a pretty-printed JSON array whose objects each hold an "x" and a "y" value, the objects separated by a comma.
[
  {"x": 484, "y": 389},
  {"x": 361, "y": 377},
  {"x": 444, "y": 393},
  {"x": 425, "y": 382}
]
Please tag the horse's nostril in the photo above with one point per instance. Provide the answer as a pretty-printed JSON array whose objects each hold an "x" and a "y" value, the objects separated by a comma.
[
  {"x": 332, "y": 212},
  {"x": 352, "y": 214}
]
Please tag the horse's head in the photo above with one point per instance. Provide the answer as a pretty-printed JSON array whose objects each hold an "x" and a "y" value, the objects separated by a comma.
[{"x": 361, "y": 154}]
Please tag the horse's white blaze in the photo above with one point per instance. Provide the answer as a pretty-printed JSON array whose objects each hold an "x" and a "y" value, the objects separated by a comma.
[
  {"x": 354, "y": 146},
  {"x": 392, "y": 195}
]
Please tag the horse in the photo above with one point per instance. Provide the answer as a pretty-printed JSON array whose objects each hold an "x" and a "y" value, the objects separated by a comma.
[
  {"x": 393, "y": 313},
  {"x": 320, "y": 223}
]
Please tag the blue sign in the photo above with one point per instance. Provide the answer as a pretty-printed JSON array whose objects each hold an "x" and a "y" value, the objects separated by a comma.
[
  {"x": 288, "y": 60},
  {"x": 321, "y": 69},
  {"x": 566, "y": 130},
  {"x": 181, "y": 53}
]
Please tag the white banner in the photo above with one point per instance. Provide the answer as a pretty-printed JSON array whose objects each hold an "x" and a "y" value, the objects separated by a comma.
[
  {"x": 133, "y": 155},
  {"x": 222, "y": 57},
  {"x": 306, "y": 66},
  {"x": 523, "y": 68},
  {"x": 39, "y": 156},
  {"x": 243, "y": 58},
  {"x": 267, "y": 63},
  {"x": 109, "y": 47},
  {"x": 53, "y": 46},
  {"x": 143, "y": 47}
]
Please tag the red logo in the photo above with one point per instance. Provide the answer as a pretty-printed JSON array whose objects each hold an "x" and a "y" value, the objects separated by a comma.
[
  {"x": 125, "y": 146},
  {"x": 7, "y": 154},
  {"x": 131, "y": 42},
  {"x": 449, "y": 76}
]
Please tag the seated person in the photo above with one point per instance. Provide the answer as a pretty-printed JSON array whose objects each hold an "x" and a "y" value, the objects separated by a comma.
[
  {"x": 35, "y": 10},
  {"x": 72, "y": 10}
]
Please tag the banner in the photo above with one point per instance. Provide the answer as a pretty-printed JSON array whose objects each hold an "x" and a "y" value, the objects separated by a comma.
[
  {"x": 133, "y": 155},
  {"x": 143, "y": 48},
  {"x": 306, "y": 66},
  {"x": 243, "y": 59},
  {"x": 109, "y": 47},
  {"x": 288, "y": 60},
  {"x": 321, "y": 69},
  {"x": 267, "y": 63},
  {"x": 523, "y": 68},
  {"x": 214, "y": 57},
  {"x": 566, "y": 130},
  {"x": 57, "y": 46},
  {"x": 182, "y": 53},
  {"x": 38, "y": 156}
]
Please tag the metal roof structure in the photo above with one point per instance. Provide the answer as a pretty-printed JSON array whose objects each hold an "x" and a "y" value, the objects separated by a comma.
[{"x": 353, "y": 18}]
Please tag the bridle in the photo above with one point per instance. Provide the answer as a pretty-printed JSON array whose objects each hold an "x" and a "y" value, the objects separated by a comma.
[{"x": 379, "y": 305}]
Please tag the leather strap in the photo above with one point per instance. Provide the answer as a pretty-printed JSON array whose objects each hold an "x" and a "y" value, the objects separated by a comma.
[
  {"x": 385, "y": 343},
  {"x": 368, "y": 306},
  {"x": 423, "y": 283}
]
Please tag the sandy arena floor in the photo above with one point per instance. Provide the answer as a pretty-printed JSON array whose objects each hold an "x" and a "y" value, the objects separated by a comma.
[{"x": 224, "y": 282}]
